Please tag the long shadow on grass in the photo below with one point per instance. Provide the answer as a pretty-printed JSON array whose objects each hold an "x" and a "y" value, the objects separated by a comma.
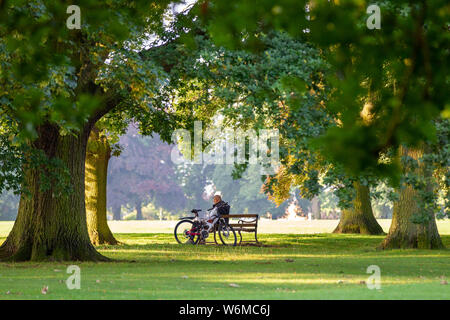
[
  {"x": 311, "y": 244},
  {"x": 296, "y": 253}
]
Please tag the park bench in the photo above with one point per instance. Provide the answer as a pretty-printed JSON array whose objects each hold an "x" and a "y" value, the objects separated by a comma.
[{"x": 246, "y": 223}]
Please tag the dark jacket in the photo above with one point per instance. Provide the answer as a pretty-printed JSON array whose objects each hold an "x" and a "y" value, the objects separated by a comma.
[{"x": 222, "y": 208}]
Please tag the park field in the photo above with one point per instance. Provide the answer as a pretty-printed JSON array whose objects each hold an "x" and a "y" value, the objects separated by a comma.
[
  {"x": 298, "y": 260},
  {"x": 265, "y": 226}
]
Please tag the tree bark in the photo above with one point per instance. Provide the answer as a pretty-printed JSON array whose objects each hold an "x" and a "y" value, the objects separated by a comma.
[
  {"x": 403, "y": 233},
  {"x": 139, "y": 211},
  {"x": 51, "y": 226},
  {"x": 359, "y": 218},
  {"x": 98, "y": 154}
]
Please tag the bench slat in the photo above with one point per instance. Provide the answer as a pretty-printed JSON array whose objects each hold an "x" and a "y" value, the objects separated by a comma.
[
  {"x": 243, "y": 225},
  {"x": 231, "y": 216},
  {"x": 246, "y": 230},
  {"x": 250, "y": 226}
]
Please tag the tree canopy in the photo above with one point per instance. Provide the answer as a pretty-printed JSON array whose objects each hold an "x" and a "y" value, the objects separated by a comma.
[{"x": 355, "y": 108}]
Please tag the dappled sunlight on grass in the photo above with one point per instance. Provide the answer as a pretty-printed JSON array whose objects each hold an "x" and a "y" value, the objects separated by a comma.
[
  {"x": 292, "y": 228},
  {"x": 317, "y": 266}
]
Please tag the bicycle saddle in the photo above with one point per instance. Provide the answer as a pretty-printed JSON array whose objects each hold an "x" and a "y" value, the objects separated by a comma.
[{"x": 196, "y": 210}]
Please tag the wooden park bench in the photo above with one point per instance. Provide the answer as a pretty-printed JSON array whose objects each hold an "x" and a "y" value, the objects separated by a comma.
[{"x": 246, "y": 223}]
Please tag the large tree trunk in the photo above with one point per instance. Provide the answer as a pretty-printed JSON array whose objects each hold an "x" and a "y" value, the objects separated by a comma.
[
  {"x": 139, "y": 211},
  {"x": 50, "y": 226},
  {"x": 359, "y": 218},
  {"x": 98, "y": 154},
  {"x": 403, "y": 233}
]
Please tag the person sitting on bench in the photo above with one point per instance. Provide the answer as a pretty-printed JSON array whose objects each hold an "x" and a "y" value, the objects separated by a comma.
[{"x": 223, "y": 208}]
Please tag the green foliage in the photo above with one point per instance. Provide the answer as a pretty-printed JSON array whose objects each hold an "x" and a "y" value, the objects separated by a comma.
[
  {"x": 255, "y": 91},
  {"x": 244, "y": 195},
  {"x": 328, "y": 202},
  {"x": 11, "y": 162},
  {"x": 404, "y": 65},
  {"x": 308, "y": 73},
  {"x": 380, "y": 89},
  {"x": 16, "y": 157},
  {"x": 41, "y": 60},
  {"x": 50, "y": 74}
]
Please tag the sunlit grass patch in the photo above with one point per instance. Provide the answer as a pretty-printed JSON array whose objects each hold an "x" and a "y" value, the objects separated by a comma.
[{"x": 317, "y": 266}]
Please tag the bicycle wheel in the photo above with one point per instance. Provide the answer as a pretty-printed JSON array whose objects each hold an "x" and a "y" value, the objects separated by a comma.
[
  {"x": 227, "y": 234},
  {"x": 186, "y": 232}
]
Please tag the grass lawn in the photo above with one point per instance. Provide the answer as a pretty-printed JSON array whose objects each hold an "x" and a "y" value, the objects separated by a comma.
[{"x": 288, "y": 266}]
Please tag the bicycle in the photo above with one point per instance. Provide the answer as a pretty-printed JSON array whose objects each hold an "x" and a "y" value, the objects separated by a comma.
[{"x": 196, "y": 229}]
